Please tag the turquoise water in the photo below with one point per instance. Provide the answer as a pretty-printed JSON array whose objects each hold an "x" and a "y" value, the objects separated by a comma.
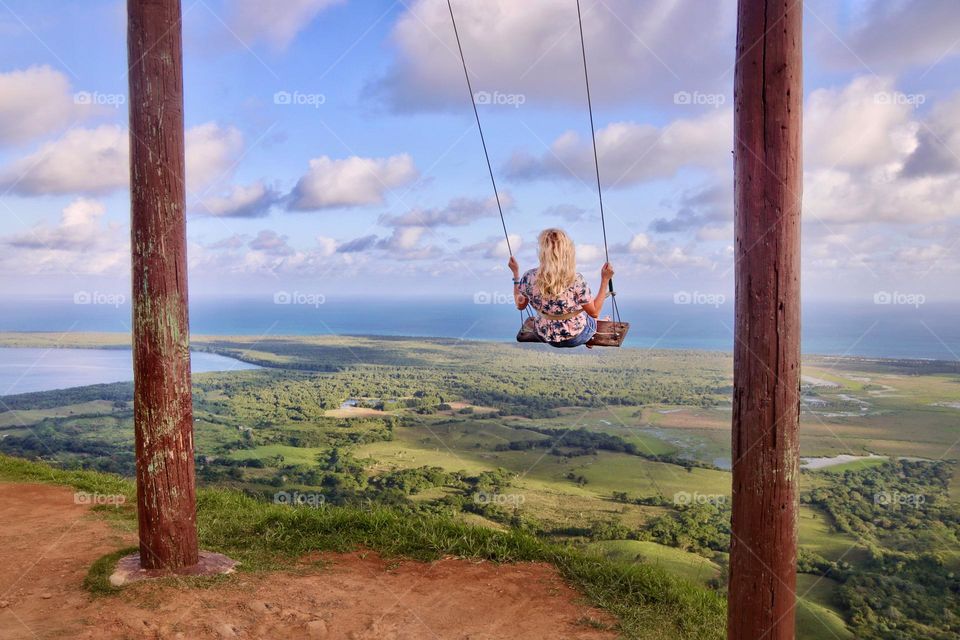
[
  {"x": 27, "y": 370},
  {"x": 931, "y": 330}
]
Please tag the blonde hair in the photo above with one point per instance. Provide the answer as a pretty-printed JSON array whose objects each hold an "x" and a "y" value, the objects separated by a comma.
[{"x": 558, "y": 262}]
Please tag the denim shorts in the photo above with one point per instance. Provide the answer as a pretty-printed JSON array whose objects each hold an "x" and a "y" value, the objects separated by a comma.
[{"x": 581, "y": 339}]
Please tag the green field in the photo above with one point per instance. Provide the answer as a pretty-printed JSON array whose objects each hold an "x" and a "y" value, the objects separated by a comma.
[
  {"x": 817, "y": 614},
  {"x": 623, "y": 453},
  {"x": 687, "y": 565}
]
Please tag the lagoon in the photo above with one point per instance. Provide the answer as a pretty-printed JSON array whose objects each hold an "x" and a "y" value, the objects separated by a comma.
[{"x": 25, "y": 370}]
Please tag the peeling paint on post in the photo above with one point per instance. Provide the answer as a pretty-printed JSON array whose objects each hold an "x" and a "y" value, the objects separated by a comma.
[
  {"x": 163, "y": 411},
  {"x": 766, "y": 400}
]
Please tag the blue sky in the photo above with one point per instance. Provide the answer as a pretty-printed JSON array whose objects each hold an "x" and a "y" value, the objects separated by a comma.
[{"x": 332, "y": 148}]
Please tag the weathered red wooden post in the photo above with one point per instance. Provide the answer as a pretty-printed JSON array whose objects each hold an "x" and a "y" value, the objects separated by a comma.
[
  {"x": 163, "y": 407},
  {"x": 768, "y": 94}
]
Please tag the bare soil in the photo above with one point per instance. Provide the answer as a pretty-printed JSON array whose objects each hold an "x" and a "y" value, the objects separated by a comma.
[
  {"x": 48, "y": 542},
  {"x": 354, "y": 412}
]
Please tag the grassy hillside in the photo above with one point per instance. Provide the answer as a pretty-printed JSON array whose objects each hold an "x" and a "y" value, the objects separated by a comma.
[{"x": 649, "y": 601}]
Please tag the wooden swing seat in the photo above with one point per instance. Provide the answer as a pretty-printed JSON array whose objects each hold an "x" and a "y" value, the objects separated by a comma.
[{"x": 609, "y": 333}]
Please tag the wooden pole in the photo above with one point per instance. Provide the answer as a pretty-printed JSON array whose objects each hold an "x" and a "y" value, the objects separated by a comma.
[
  {"x": 768, "y": 95},
  {"x": 162, "y": 404}
]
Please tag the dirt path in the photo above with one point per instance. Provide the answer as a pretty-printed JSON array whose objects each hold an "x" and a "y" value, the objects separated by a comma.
[{"x": 47, "y": 543}]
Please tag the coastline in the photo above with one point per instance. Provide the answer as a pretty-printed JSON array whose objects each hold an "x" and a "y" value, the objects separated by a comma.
[{"x": 205, "y": 342}]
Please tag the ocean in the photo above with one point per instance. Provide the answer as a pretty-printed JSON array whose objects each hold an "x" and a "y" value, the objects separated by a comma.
[{"x": 924, "y": 331}]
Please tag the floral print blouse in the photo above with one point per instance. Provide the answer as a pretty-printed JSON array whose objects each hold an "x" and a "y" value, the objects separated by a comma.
[{"x": 575, "y": 296}]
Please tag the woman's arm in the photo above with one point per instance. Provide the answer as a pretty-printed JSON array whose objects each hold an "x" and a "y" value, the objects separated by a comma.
[
  {"x": 594, "y": 307},
  {"x": 518, "y": 298}
]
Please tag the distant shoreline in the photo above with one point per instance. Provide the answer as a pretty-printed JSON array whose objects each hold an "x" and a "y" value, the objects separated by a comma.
[
  {"x": 200, "y": 342},
  {"x": 929, "y": 332}
]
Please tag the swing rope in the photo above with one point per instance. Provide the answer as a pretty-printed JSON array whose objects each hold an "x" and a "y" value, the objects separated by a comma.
[
  {"x": 483, "y": 142},
  {"x": 596, "y": 160},
  {"x": 476, "y": 114},
  {"x": 593, "y": 137}
]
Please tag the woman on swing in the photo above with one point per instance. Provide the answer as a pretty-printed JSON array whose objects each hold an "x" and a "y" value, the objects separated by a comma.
[{"x": 566, "y": 311}]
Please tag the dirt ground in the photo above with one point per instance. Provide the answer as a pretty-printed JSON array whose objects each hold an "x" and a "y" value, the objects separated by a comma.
[
  {"x": 354, "y": 412},
  {"x": 47, "y": 543}
]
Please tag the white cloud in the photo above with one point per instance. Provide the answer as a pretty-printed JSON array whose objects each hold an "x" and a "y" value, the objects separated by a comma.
[
  {"x": 897, "y": 35},
  {"x": 351, "y": 182},
  {"x": 640, "y": 250},
  {"x": 235, "y": 241},
  {"x": 456, "y": 213},
  {"x": 710, "y": 233},
  {"x": 211, "y": 152},
  {"x": 635, "y": 51},
  {"x": 326, "y": 246},
  {"x": 403, "y": 244},
  {"x": 872, "y": 259},
  {"x": 271, "y": 243},
  {"x": 938, "y": 142},
  {"x": 698, "y": 208},
  {"x": 589, "y": 253},
  {"x": 639, "y": 242},
  {"x": 499, "y": 248},
  {"x": 494, "y": 247},
  {"x": 276, "y": 23},
  {"x": 631, "y": 153},
  {"x": 876, "y": 161},
  {"x": 840, "y": 197},
  {"x": 87, "y": 161},
  {"x": 870, "y": 157},
  {"x": 864, "y": 124},
  {"x": 922, "y": 255},
  {"x": 78, "y": 229},
  {"x": 569, "y": 212},
  {"x": 251, "y": 201},
  {"x": 358, "y": 245},
  {"x": 97, "y": 161},
  {"x": 403, "y": 238},
  {"x": 35, "y": 102},
  {"x": 82, "y": 242}
]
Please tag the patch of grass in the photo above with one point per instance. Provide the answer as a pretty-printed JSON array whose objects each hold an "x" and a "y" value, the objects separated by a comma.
[
  {"x": 19, "y": 470},
  {"x": 689, "y": 565},
  {"x": 818, "y": 615},
  {"x": 97, "y": 580},
  {"x": 855, "y": 465},
  {"x": 648, "y": 601},
  {"x": 817, "y": 535},
  {"x": 23, "y": 417},
  {"x": 291, "y": 455}
]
